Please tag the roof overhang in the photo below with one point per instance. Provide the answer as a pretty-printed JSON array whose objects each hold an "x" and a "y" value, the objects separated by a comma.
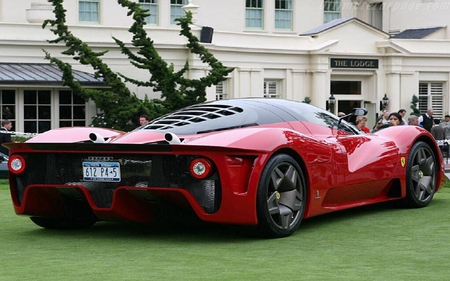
[{"x": 42, "y": 74}]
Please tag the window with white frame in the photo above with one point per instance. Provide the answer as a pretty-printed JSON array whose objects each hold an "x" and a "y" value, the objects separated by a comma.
[
  {"x": 8, "y": 104},
  {"x": 254, "y": 11},
  {"x": 176, "y": 10},
  {"x": 283, "y": 14},
  {"x": 152, "y": 7},
  {"x": 221, "y": 91},
  {"x": 271, "y": 89},
  {"x": 37, "y": 110},
  {"x": 431, "y": 95},
  {"x": 89, "y": 11},
  {"x": 332, "y": 10},
  {"x": 72, "y": 109}
]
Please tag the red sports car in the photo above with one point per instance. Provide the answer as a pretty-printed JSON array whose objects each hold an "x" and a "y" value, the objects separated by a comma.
[{"x": 266, "y": 163}]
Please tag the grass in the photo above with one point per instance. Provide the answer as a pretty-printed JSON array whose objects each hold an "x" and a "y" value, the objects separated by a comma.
[{"x": 370, "y": 243}]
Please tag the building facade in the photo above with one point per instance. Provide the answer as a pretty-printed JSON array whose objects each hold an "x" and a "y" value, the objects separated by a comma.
[{"x": 358, "y": 51}]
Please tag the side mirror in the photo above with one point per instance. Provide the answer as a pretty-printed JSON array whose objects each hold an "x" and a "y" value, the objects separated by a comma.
[
  {"x": 359, "y": 111},
  {"x": 351, "y": 117}
]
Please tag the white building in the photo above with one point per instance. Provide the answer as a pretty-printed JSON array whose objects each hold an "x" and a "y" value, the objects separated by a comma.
[{"x": 358, "y": 50}]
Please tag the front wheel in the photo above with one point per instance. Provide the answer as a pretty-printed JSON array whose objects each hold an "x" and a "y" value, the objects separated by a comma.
[
  {"x": 281, "y": 197},
  {"x": 420, "y": 176}
]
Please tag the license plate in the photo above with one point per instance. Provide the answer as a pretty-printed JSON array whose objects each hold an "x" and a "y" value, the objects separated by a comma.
[{"x": 101, "y": 171}]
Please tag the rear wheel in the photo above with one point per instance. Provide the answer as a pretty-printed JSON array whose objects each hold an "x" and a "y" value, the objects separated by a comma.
[
  {"x": 281, "y": 197},
  {"x": 420, "y": 176}
]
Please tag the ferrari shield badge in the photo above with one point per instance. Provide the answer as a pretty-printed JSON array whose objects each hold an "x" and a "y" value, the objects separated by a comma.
[{"x": 403, "y": 161}]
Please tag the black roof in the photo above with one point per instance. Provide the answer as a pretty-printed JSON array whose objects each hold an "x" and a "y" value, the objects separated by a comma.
[
  {"x": 41, "y": 73},
  {"x": 334, "y": 23},
  {"x": 230, "y": 114},
  {"x": 416, "y": 33}
]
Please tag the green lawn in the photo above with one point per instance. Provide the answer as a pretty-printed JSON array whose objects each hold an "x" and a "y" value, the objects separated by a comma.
[{"x": 371, "y": 243}]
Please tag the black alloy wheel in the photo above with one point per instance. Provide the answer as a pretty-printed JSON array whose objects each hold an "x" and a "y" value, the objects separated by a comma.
[
  {"x": 281, "y": 197},
  {"x": 420, "y": 176}
]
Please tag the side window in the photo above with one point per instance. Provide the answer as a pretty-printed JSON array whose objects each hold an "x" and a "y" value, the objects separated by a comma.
[
  {"x": 72, "y": 109},
  {"x": 271, "y": 89},
  {"x": 37, "y": 108},
  {"x": 221, "y": 91},
  {"x": 331, "y": 10},
  {"x": 283, "y": 14},
  {"x": 8, "y": 104},
  {"x": 348, "y": 128},
  {"x": 89, "y": 11},
  {"x": 152, "y": 7},
  {"x": 431, "y": 95},
  {"x": 254, "y": 12},
  {"x": 176, "y": 9},
  {"x": 321, "y": 117}
]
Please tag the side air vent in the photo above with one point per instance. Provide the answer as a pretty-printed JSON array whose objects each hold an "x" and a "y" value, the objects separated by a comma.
[{"x": 191, "y": 115}]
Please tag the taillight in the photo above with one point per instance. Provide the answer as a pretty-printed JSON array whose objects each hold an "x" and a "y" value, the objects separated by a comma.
[
  {"x": 16, "y": 164},
  {"x": 200, "y": 168}
]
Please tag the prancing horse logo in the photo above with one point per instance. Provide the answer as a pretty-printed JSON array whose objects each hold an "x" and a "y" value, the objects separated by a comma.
[{"x": 403, "y": 161}]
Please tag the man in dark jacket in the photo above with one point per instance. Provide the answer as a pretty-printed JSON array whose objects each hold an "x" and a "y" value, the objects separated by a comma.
[
  {"x": 437, "y": 131},
  {"x": 5, "y": 136},
  {"x": 426, "y": 120}
]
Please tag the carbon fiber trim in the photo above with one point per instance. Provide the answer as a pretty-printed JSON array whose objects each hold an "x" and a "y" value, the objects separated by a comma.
[{"x": 143, "y": 170}]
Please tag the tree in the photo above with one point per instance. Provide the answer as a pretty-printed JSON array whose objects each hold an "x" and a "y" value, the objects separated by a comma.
[
  {"x": 118, "y": 104},
  {"x": 414, "y": 102}
]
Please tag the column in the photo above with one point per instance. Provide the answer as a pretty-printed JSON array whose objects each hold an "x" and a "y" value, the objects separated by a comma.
[
  {"x": 392, "y": 91},
  {"x": 320, "y": 88},
  {"x": 300, "y": 89}
]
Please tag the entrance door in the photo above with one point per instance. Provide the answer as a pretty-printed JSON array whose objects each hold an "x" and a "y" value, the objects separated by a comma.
[{"x": 347, "y": 106}]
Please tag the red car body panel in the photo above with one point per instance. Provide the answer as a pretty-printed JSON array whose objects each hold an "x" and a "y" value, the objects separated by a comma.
[{"x": 342, "y": 170}]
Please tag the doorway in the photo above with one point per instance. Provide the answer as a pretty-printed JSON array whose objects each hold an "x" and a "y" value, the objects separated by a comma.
[{"x": 347, "y": 106}]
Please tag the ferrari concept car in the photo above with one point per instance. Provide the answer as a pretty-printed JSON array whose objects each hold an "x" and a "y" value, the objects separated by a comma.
[{"x": 262, "y": 163}]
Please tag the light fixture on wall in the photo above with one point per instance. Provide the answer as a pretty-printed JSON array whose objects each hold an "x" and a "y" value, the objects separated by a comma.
[
  {"x": 385, "y": 101},
  {"x": 332, "y": 102}
]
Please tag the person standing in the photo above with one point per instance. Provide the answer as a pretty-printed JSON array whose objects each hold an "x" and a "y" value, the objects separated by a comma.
[
  {"x": 446, "y": 125},
  {"x": 437, "y": 131},
  {"x": 395, "y": 119},
  {"x": 377, "y": 125},
  {"x": 361, "y": 124},
  {"x": 385, "y": 116},
  {"x": 402, "y": 113},
  {"x": 5, "y": 136},
  {"x": 413, "y": 120},
  {"x": 426, "y": 120},
  {"x": 143, "y": 119}
]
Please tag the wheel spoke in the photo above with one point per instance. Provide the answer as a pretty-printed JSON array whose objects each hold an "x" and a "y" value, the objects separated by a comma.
[
  {"x": 291, "y": 199},
  {"x": 424, "y": 188},
  {"x": 286, "y": 217},
  {"x": 422, "y": 157},
  {"x": 291, "y": 174},
  {"x": 415, "y": 173},
  {"x": 272, "y": 204},
  {"x": 289, "y": 180},
  {"x": 276, "y": 177},
  {"x": 428, "y": 167}
]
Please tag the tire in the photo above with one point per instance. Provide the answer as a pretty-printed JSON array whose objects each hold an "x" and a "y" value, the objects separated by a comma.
[
  {"x": 63, "y": 223},
  {"x": 77, "y": 215},
  {"x": 281, "y": 197},
  {"x": 421, "y": 178}
]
